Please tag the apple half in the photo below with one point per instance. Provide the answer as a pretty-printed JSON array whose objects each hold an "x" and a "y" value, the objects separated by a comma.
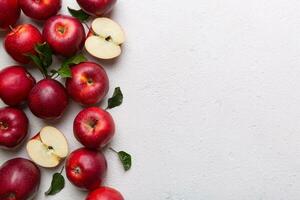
[
  {"x": 48, "y": 148},
  {"x": 106, "y": 40}
]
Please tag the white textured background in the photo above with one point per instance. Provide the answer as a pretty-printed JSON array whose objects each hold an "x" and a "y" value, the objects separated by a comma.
[{"x": 212, "y": 95}]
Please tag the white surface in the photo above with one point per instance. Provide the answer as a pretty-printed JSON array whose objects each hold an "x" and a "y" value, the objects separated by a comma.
[{"x": 211, "y": 105}]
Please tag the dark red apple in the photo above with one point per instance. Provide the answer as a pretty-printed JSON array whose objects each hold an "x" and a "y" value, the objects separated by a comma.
[
  {"x": 9, "y": 13},
  {"x": 89, "y": 83},
  {"x": 86, "y": 168},
  {"x": 40, "y": 9},
  {"x": 21, "y": 41},
  {"x": 94, "y": 127},
  {"x": 13, "y": 127},
  {"x": 15, "y": 84},
  {"x": 105, "y": 193},
  {"x": 97, "y": 7},
  {"x": 65, "y": 35},
  {"x": 19, "y": 179},
  {"x": 48, "y": 99}
]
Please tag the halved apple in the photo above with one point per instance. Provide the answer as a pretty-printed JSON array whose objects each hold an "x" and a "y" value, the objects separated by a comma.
[
  {"x": 105, "y": 43},
  {"x": 48, "y": 148}
]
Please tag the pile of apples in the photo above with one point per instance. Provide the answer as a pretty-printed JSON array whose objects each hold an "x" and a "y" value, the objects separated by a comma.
[{"x": 85, "y": 82}]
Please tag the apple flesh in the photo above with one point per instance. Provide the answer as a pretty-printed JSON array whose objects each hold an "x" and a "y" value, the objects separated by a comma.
[
  {"x": 15, "y": 84},
  {"x": 48, "y": 99},
  {"x": 89, "y": 83},
  {"x": 48, "y": 148},
  {"x": 97, "y": 7},
  {"x": 106, "y": 41},
  {"x": 86, "y": 168},
  {"x": 19, "y": 179},
  {"x": 94, "y": 128},
  {"x": 41, "y": 9},
  {"x": 9, "y": 13},
  {"x": 105, "y": 193}
]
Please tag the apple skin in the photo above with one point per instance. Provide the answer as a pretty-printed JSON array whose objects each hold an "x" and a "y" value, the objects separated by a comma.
[
  {"x": 86, "y": 168},
  {"x": 21, "y": 41},
  {"x": 9, "y": 13},
  {"x": 15, "y": 84},
  {"x": 48, "y": 99},
  {"x": 13, "y": 127},
  {"x": 40, "y": 10},
  {"x": 89, "y": 83},
  {"x": 94, "y": 128},
  {"x": 105, "y": 193},
  {"x": 65, "y": 34},
  {"x": 97, "y": 7},
  {"x": 19, "y": 179}
]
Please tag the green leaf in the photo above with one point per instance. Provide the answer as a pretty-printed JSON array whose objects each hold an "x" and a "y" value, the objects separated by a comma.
[
  {"x": 79, "y": 14},
  {"x": 38, "y": 62},
  {"x": 65, "y": 71},
  {"x": 45, "y": 53},
  {"x": 57, "y": 184},
  {"x": 116, "y": 99},
  {"x": 125, "y": 158}
]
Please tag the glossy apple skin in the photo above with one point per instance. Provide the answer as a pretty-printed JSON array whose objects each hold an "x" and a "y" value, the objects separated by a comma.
[
  {"x": 105, "y": 193},
  {"x": 97, "y": 7},
  {"x": 89, "y": 83},
  {"x": 48, "y": 99},
  {"x": 13, "y": 127},
  {"x": 9, "y": 13},
  {"x": 94, "y": 128},
  {"x": 65, "y": 35},
  {"x": 40, "y": 10},
  {"x": 15, "y": 84},
  {"x": 21, "y": 41},
  {"x": 86, "y": 168},
  {"x": 19, "y": 179}
]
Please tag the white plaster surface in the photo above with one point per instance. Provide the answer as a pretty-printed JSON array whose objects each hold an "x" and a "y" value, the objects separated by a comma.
[{"x": 211, "y": 109}]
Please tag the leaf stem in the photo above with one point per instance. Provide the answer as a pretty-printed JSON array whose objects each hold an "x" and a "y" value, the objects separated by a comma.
[
  {"x": 62, "y": 169},
  {"x": 113, "y": 150}
]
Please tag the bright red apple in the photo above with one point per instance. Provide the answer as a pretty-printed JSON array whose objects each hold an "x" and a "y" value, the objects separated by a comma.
[
  {"x": 13, "y": 127},
  {"x": 94, "y": 127},
  {"x": 89, "y": 83},
  {"x": 65, "y": 35},
  {"x": 40, "y": 9},
  {"x": 21, "y": 41},
  {"x": 105, "y": 193},
  {"x": 48, "y": 99},
  {"x": 15, "y": 84},
  {"x": 19, "y": 179},
  {"x": 9, "y": 13},
  {"x": 86, "y": 168},
  {"x": 97, "y": 7}
]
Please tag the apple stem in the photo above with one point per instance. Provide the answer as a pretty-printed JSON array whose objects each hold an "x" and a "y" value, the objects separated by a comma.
[
  {"x": 87, "y": 26},
  {"x": 113, "y": 150},
  {"x": 11, "y": 28},
  {"x": 62, "y": 169}
]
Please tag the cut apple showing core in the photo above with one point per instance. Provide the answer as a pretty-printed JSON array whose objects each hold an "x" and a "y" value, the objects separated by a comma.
[
  {"x": 48, "y": 148},
  {"x": 106, "y": 41}
]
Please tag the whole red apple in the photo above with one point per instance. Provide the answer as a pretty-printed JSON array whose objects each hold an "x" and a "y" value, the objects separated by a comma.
[
  {"x": 105, "y": 193},
  {"x": 9, "y": 13},
  {"x": 94, "y": 127},
  {"x": 89, "y": 83},
  {"x": 19, "y": 179},
  {"x": 21, "y": 41},
  {"x": 86, "y": 168},
  {"x": 13, "y": 127},
  {"x": 15, "y": 84},
  {"x": 97, "y": 7},
  {"x": 65, "y": 35},
  {"x": 40, "y": 9},
  {"x": 48, "y": 99}
]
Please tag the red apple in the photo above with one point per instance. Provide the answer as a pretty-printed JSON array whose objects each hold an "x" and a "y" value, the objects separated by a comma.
[
  {"x": 48, "y": 99},
  {"x": 21, "y": 41},
  {"x": 40, "y": 9},
  {"x": 13, "y": 127},
  {"x": 105, "y": 193},
  {"x": 94, "y": 127},
  {"x": 15, "y": 85},
  {"x": 65, "y": 35},
  {"x": 97, "y": 7},
  {"x": 89, "y": 83},
  {"x": 86, "y": 168},
  {"x": 9, "y": 13},
  {"x": 19, "y": 179}
]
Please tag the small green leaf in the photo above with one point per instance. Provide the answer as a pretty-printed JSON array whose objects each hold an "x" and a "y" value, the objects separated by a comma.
[
  {"x": 65, "y": 71},
  {"x": 116, "y": 99},
  {"x": 38, "y": 62},
  {"x": 45, "y": 53},
  {"x": 79, "y": 14},
  {"x": 57, "y": 184},
  {"x": 125, "y": 158}
]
